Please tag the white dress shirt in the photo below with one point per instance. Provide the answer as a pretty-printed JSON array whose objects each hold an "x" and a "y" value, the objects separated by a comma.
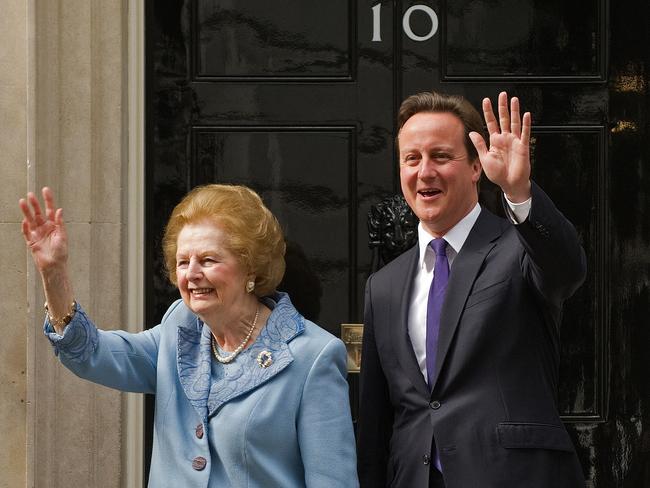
[{"x": 456, "y": 237}]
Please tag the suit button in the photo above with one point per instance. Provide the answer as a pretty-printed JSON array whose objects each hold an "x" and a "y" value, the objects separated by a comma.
[
  {"x": 199, "y": 431},
  {"x": 199, "y": 463},
  {"x": 426, "y": 459},
  {"x": 435, "y": 404}
]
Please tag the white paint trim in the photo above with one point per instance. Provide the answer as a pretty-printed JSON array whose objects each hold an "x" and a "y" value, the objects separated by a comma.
[{"x": 133, "y": 441}]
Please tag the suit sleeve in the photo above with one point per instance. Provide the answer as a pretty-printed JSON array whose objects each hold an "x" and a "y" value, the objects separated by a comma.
[
  {"x": 325, "y": 432},
  {"x": 116, "y": 359},
  {"x": 554, "y": 261},
  {"x": 375, "y": 409}
]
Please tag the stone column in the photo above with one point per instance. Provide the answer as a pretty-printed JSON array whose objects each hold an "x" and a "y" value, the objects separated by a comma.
[
  {"x": 13, "y": 301},
  {"x": 63, "y": 123}
]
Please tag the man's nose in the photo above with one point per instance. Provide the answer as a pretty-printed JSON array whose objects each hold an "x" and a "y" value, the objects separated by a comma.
[{"x": 427, "y": 168}]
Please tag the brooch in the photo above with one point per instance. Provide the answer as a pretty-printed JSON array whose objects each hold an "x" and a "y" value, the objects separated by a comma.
[{"x": 264, "y": 359}]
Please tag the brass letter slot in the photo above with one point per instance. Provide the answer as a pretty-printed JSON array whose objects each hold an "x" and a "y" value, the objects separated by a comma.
[{"x": 352, "y": 335}]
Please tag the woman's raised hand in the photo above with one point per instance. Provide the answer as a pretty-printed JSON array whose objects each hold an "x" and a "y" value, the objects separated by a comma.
[{"x": 44, "y": 234}]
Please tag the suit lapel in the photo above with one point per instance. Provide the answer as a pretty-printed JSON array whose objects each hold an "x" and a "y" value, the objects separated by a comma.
[
  {"x": 401, "y": 288},
  {"x": 480, "y": 241}
]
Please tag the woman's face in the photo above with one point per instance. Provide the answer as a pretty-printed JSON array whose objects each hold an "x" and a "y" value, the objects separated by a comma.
[{"x": 210, "y": 278}]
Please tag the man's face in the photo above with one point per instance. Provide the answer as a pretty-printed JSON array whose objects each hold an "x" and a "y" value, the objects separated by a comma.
[{"x": 438, "y": 180}]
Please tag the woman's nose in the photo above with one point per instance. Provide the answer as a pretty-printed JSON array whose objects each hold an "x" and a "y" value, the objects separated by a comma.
[{"x": 193, "y": 269}]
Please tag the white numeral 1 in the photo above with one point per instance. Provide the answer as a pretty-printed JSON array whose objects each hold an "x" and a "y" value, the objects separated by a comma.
[{"x": 376, "y": 23}]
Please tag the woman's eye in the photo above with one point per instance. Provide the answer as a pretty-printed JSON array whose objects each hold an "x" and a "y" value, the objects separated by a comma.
[{"x": 181, "y": 264}]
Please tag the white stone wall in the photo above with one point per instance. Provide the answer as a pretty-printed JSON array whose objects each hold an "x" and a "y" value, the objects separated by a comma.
[
  {"x": 13, "y": 297},
  {"x": 64, "y": 123}
]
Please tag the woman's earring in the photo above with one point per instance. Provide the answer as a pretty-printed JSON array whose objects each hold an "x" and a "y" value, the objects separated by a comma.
[{"x": 250, "y": 286}]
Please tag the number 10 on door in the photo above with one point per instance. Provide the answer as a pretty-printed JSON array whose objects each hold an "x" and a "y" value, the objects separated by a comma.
[{"x": 406, "y": 22}]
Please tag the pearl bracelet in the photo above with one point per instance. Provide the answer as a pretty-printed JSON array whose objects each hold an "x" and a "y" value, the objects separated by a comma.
[{"x": 63, "y": 321}]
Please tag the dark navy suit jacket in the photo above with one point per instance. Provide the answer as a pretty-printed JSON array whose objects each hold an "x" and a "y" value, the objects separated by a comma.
[{"x": 493, "y": 408}]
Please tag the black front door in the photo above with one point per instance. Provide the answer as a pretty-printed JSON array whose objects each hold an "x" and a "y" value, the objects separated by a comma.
[{"x": 297, "y": 99}]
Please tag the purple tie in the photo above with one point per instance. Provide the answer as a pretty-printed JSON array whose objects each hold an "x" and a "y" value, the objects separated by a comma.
[{"x": 434, "y": 306}]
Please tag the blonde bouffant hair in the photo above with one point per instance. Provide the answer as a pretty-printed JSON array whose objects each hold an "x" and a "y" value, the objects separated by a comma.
[{"x": 253, "y": 233}]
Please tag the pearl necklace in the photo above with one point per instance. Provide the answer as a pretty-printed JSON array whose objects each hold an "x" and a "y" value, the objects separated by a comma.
[{"x": 240, "y": 347}]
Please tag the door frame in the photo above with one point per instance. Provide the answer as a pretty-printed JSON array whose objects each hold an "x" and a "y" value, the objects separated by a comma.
[{"x": 133, "y": 403}]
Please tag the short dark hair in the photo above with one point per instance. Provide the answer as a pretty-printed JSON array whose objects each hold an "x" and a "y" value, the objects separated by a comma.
[{"x": 435, "y": 102}]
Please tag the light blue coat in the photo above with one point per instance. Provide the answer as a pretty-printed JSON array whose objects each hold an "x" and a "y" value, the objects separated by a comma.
[{"x": 287, "y": 425}]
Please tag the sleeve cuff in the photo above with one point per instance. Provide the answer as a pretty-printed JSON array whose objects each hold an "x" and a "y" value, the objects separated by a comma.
[
  {"x": 518, "y": 212},
  {"x": 79, "y": 338}
]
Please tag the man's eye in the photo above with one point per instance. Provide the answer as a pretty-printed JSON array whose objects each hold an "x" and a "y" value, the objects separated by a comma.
[
  {"x": 441, "y": 156},
  {"x": 411, "y": 159}
]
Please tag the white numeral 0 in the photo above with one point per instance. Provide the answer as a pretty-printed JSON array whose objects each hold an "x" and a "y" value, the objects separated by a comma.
[{"x": 406, "y": 23}]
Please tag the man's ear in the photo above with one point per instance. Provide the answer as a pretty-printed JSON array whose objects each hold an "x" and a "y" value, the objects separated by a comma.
[{"x": 477, "y": 169}]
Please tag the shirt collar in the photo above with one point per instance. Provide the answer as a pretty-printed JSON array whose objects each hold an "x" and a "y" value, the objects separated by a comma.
[{"x": 456, "y": 236}]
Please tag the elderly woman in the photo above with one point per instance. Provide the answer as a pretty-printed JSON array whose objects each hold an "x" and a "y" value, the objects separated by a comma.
[{"x": 248, "y": 392}]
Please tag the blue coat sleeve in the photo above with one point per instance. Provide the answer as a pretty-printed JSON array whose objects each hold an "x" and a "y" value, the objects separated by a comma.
[
  {"x": 116, "y": 359},
  {"x": 325, "y": 432}
]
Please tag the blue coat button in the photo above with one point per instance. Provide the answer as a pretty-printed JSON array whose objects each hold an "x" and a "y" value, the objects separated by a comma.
[{"x": 199, "y": 463}]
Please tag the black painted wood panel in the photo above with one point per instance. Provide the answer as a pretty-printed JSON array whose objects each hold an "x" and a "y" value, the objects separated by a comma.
[
  {"x": 537, "y": 40},
  {"x": 569, "y": 163},
  {"x": 278, "y": 39}
]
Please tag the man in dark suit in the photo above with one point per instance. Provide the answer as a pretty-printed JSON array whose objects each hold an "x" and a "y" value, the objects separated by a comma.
[{"x": 459, "y": 366}]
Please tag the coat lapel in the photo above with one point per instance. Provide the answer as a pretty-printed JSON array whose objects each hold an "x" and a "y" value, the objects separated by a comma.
[
  {"x": 207, "y": 387},
  {"x": 480, "y": 241},
  {"x": 193, "y": 362},
  {"x": 401, "y": 288},
  {"x": 245, "y": 373}
]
